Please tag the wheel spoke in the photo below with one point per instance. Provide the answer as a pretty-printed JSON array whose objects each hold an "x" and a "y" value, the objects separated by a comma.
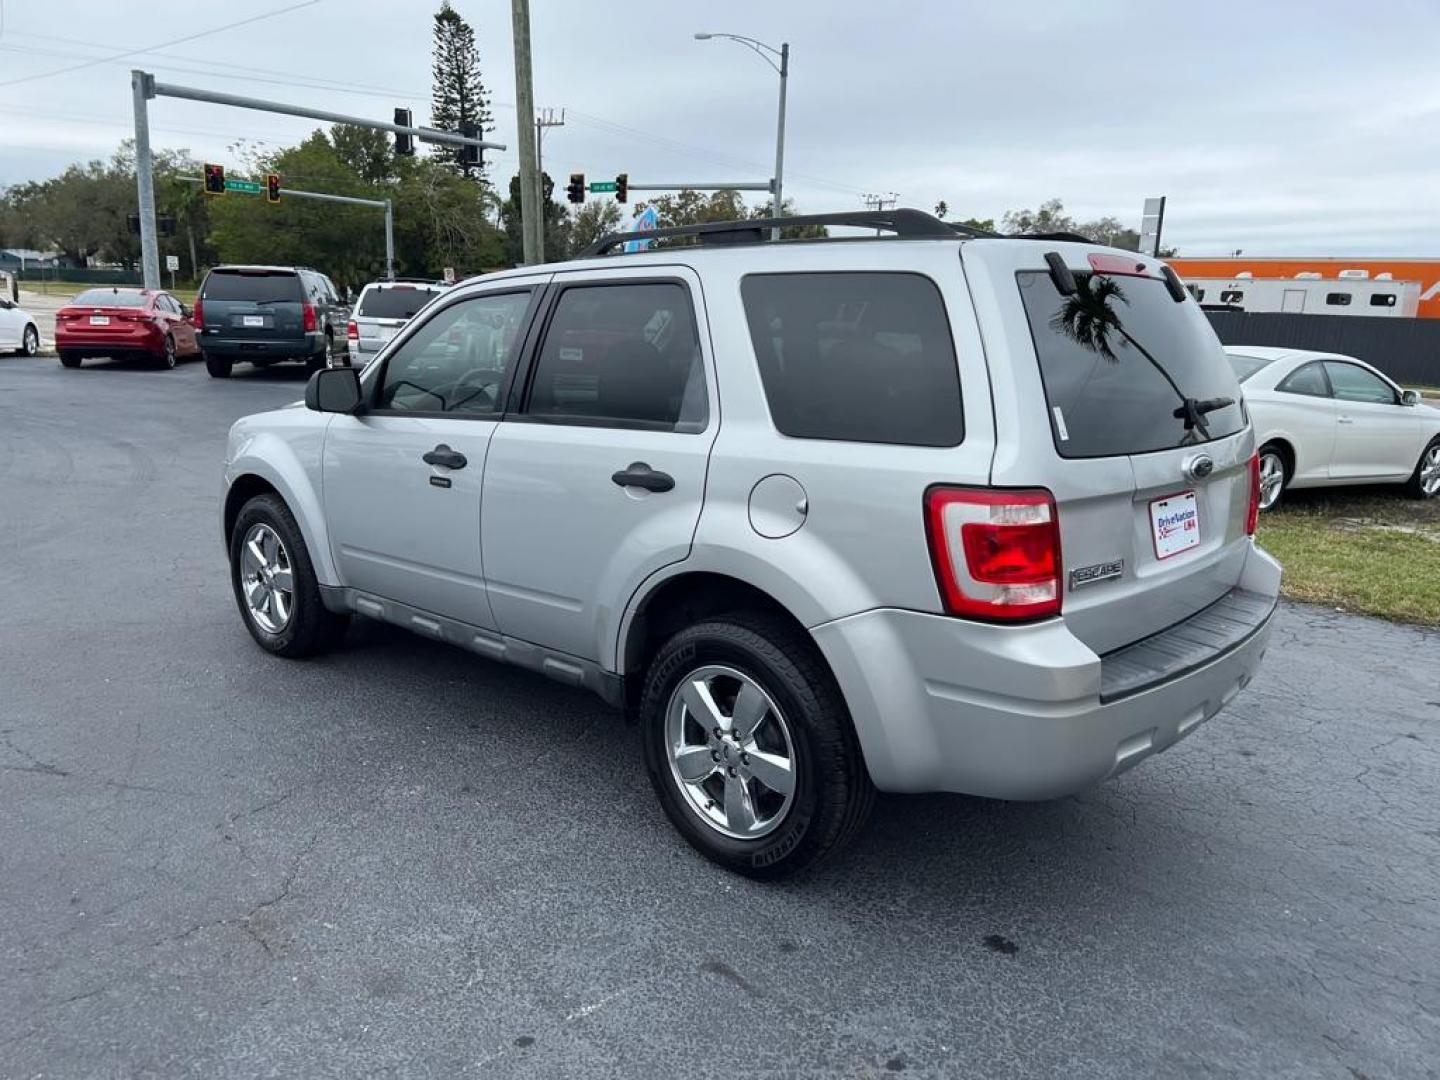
[
  {"x": 750, "y": 709},
  {"x": 269, "y": 542},
  {"x": 283, "y": 579},
  {"x": 694, "y": 763},
  {"x": 701, "y": 704},
  {"x": 773, "y": 771},
  {"x": 739, "y": 811},
  {"x": 256, "y": 552},
  {"x": 255, "y": 595},
  {"x": 280, "y": 604}
]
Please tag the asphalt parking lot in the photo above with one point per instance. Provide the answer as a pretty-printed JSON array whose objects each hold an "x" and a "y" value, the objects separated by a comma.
[{"x": 402, "y": 860}]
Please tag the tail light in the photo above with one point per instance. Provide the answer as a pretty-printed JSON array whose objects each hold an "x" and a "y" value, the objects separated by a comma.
[
  {"x": 352, "y": 331},
  {"x": 196, "y": 316},
  {"x": 307, "y": 313},
  {"x": 1252, "y": 512},
  {"x": 996, "y": 553}
]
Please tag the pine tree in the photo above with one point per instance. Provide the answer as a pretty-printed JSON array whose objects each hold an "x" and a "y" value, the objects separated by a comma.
[{"x": 457, "y": 95}]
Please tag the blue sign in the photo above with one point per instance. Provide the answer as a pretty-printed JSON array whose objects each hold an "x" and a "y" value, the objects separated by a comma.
[{"x": 647, "y": 220}]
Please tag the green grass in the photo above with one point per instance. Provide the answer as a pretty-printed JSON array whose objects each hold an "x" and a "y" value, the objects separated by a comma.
[
  {"x": 183, "y": 293},
  {"x": 1369, "y": 551}
]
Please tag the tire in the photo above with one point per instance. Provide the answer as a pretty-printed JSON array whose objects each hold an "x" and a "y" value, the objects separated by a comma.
[
  {"x": 316, "y": 362},
  {"x": 71, "y": 359},
  {"x": 167, "y": 353},
  {"x": 30, "y": 341},
  {"x": 302, "y": 626},
  {"x": 1273, "y": 464},
  {"x": 1425, "y": 480},
  {"x": 218, "y": 366},
  {"x": 831, "y": 792}
]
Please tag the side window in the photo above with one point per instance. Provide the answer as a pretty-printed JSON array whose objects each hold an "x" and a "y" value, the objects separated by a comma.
[
  {"x": 624, "y": 355},
  {"x": 859, "y": 357},
  {"x": 1308, "y": 380},
  {"x": 1382, "y": 299},
  {"x": 457, "y": 360},
  {"x": 1232, "y": 296},
  {"x": 1337, "y": 299},
  {"x": 1354, "y": 383}
]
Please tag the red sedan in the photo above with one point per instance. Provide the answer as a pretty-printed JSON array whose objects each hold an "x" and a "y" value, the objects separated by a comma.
[{"x": 123, "y": 323}]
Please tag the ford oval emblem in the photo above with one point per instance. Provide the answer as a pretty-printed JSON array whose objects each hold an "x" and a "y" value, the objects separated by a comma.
[{"x": 1199, "y": 467}]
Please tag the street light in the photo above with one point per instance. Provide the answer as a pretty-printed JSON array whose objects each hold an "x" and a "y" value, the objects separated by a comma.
[{"x": 760, "y": 49}]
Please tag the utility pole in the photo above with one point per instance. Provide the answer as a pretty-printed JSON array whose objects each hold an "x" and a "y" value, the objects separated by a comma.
[
  {"x": 140, "y": 85},
  {"x": 543, "y": 120},
  {"x": 780, "y": 137},
  {"x": 880, "y": 202},
  {"x": 531, "y": 227}
]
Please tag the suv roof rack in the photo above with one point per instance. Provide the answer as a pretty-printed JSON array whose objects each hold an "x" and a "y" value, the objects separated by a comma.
[{"x": 905, "y": 224}]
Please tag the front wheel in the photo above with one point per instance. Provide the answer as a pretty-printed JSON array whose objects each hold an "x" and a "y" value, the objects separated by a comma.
[
  {"x": 1425, "y": 481},
  {"x": 1273, "y": 476},
  {"x": 218, "y": 367},
  {"x": 750, "y": 747},
  {"x": 30, "y": 341},
  {"x": 275, "y": 584}
]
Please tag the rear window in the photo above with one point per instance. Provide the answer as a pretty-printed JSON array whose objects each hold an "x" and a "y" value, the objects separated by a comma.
[
  {"x": 252, "y": 285},
  {"x": 396, "y": 303},
  {"x": 1245, "y": 366},
  {"x": 109, "y": 298},
  {"x": 1104, "y": 397},
  {"x": 859, "y": 357}
]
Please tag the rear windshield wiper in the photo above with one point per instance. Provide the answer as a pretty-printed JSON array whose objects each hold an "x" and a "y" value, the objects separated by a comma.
[{"x": 1192, "y": 410}]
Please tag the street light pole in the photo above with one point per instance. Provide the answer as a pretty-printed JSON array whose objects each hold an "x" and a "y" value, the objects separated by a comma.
[{"x": 759, "y": 48}]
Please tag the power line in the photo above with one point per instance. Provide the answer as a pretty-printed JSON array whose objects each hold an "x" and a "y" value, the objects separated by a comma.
[{"x": 164, "y": 44}]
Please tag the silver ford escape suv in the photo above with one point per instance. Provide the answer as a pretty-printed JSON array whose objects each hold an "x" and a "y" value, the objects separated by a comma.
[{"x": 918, "y": 510}]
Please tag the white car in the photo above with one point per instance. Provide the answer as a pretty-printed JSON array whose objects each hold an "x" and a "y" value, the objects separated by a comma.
[
  {"x": 18, "y": 330},
  {"x": 1322, "y": 420}
]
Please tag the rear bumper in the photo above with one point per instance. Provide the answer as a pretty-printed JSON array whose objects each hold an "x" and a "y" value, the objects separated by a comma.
[
  {"x": 140, "y": 339},
  {"x": 287, "y": 348},
  {"x": 1025, "y": 712}
]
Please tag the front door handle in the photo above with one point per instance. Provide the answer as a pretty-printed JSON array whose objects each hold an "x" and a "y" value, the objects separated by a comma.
[
  {"x": 641, "y": 475},
  {"x": 1346, "y": 420},
  {"x": 443, "y": 455}
]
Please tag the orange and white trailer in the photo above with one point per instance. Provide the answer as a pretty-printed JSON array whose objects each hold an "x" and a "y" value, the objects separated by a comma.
[{"x": 1333, "y": 286}]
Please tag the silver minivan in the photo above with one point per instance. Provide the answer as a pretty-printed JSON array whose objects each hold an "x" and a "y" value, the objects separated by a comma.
[{"x": 924, "y": 511}]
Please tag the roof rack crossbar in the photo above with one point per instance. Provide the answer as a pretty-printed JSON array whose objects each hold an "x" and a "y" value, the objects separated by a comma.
[{"x": 903, "y": 223}]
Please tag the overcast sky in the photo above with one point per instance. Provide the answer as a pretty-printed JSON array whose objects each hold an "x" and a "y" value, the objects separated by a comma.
[{"x": 1276, "y": 126}]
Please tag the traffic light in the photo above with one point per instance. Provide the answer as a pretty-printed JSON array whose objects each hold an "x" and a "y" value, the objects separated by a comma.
[
  {"x": 272, "y": 187},
  {"x": 575, "y": 190},
  {"x": 214, "y": 179},
  {"x": 470, "y": 155},
  {"x": 622, "y": 187},
  {"x": 404, "y": 142}
]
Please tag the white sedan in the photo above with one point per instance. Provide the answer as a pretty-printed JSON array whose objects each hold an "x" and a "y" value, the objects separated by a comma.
[
  {"x": 18, "y": 329},
  {"x": 1322, "y": 420}
]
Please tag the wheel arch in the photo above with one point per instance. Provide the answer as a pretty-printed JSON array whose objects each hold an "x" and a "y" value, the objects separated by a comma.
[
  {"x": 1286, "y": 446},
  {"x": 250, "y": 476}
]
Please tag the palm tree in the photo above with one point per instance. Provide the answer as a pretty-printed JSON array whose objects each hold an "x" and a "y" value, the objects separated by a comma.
[{"x": 1088, "y": 316}]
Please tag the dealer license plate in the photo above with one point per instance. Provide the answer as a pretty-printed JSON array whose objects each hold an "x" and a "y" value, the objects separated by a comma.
[
  {"x": 1175, "y": 524},
  {"x": 254, "y": 320},
  {"x": 99, "y": 320}
]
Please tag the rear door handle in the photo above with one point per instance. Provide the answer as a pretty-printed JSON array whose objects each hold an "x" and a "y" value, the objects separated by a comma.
[
  {"x": 641, "y": 475},
  {"x": 443, "y": 455},
  {"x": 1347, "y": 420}
]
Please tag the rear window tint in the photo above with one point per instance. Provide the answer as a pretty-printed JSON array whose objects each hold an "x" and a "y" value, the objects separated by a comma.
[
  {"x": 109, "y": 298},
  {"x": 1103, "y": 396},
  {"x": 251, "y": 285},
  {"x": 397, "y": 303},
  {"x": 859, "y": 357}
]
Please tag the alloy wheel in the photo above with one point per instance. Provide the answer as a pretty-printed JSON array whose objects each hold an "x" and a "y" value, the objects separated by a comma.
[
  {"x": 266, "y": 579},
  {"x": 1272, "y": 479},
  {"x": 30, "y": 344},
  {"x": 730, "y": 752},
  {"x": 1430, "y": 471},
  {"x": 168, "y": 358}
]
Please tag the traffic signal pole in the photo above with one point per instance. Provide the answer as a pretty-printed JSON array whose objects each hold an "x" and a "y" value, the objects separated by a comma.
[
  {"x": 145, "y": 87},
  {"x": 350, "y": 200}
]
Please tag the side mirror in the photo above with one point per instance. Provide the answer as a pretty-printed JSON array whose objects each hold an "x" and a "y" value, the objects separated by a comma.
[
  {"x": 334, "y": 390},
  {"x": 1410, "y": 397},
  {"x": 185, "y": 311}
]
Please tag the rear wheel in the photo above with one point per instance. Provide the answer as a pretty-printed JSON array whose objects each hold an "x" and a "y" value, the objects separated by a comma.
[
  {"x": 750, "y": 747},
  {"x": 315, "y": 363},
  {"x": 30, "y": 341},
  {"x": 167, "y": 353},
  {"x": 275, "y": 585},
  {"x": 70, "y": 359},
  {"x": 218, "y": 366},
  {"x": 1274, "y": 475},
  {"x": 1425, "y": 483}
]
